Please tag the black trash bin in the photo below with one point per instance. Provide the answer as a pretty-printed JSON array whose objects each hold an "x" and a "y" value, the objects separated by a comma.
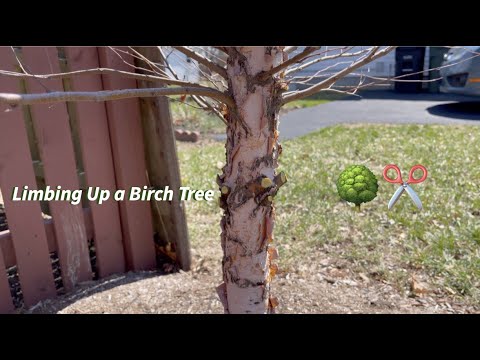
[
  {"x": 437, "y": 55},
  {"x": 409, "y": 60}
]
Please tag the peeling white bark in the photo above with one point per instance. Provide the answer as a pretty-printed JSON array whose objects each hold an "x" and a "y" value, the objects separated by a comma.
[{"x": 247, "y": 224}]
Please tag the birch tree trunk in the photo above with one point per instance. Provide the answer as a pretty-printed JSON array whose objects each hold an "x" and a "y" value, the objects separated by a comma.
[{"x": 249, "y": 182}]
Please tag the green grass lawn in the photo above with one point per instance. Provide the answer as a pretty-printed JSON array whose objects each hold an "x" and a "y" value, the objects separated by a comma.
[
  {"x": 304, "y": 103},
  {"x": 314, "y": 100},
  {"x": 442, "y": 241},
  {"x": 188, "y": 117}
]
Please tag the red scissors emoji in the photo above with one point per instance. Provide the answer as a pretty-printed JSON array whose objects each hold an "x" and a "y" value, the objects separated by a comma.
[{"x": 404, "y": 186}]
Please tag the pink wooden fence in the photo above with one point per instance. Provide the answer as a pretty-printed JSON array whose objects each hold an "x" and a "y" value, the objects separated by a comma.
[{"x": 112, "y": 155}]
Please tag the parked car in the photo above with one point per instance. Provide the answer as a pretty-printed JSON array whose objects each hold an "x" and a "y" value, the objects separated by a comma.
[{"x": 462, "y": 74}]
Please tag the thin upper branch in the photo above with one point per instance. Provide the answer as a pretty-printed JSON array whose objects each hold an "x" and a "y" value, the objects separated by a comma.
[
  {"x": 379, "y": 80},
  {"x": 127, "y": 74},
  {"x": 205, "y": 105},
  {"x": 23, "y": 68},
  {"x": 210, "y": 53},
  {"x": 202, "y": 60},
  {"x": 129, "y": 54},
  {"x": 166, "y": 63},
  {"x": 306, "y": 79},
  {"x": 154, "y": 67},
  {"x": 202, "y": 102},
  {"x": 107, "y": 95},
  {"x": 327, "y": 57},
  {"x": 295, "y": 59},
  {"x": 372, "y": 55},
  {"x": 18, "y": 60},
  {"x": 217, "y": 81}
]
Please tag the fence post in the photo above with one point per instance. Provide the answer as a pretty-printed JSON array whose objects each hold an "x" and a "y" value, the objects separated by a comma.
[{"x": 162, "y": 163}]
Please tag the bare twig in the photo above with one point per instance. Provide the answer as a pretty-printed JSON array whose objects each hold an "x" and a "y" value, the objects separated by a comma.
[
  {"x": 382, "y": 80},
  {"x": 326, "y": 51},
  {"x": 18, "y": 60},
  {"x": 116, "y": 51},
  {"x": 150, "y": 63},
  {"x": 203, "y": 103},
  {"x": 372, "y": 55},
  {"x": 218, "y": 83},
  {"x": 202, "y": 60},
  {"x": 158, "y": 60},
  {"x": 396, "y": 78},
  {"x": 166, "y": 63},
  {"x": 305, "y": 79},
  {"x": 352, "y": 92},
  {"x": 23, "y": 68},
  {"x": 107, "y": 95},
  {"x": 399, "y": 79},
  {"x": 328, "y": 57},
  {"x": 210, "y": 52},
  {"x": 127, "y": 74}
]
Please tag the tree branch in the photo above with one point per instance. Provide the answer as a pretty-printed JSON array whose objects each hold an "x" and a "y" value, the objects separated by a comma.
[
  {"x": 209, "y": 53},
  {"x": 153, "y": 66},
  {"x": 102, "y": 71},
  {"x": 107, "y": 95},
  {"x": 204, "y": 104},
  {"x": 372, "y": 55},
  {"x": 166, "y": 63},
  {"x": 327, "y": 57},
  {"x": 297, "y": 58},
  {"x": 129, "y": 54},
  {"x": 202, "y": 60},
  {"x": 305, "y": 79}
]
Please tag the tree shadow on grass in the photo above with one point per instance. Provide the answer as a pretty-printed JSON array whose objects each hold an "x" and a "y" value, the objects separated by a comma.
[{"x": 457, "y": 110}]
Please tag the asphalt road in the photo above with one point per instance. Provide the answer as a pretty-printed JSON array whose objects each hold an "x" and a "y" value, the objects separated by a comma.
[{"x": 386, "y": 107}]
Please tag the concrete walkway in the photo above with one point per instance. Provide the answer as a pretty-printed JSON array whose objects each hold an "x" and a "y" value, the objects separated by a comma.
[{"x": 386, "y": 107}]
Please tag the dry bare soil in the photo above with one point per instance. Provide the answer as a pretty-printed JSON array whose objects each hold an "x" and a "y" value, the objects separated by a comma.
[{"x": 326, "y": 287}]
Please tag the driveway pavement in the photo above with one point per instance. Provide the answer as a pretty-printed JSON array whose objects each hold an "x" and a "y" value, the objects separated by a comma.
[{"x": 385, "y": 107}]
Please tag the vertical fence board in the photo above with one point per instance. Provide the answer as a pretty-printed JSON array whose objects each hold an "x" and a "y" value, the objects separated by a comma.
[
  {"x": 24, "y": 218},
  {"x": 6, "y": 304},
  {"x": 56, "y": 149},
  {"x": 6, "y": 245},
  {"x": 97, "y": 161},
  {"x": 162, "y": 162},
  {"x": 130, "y": 168}
]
